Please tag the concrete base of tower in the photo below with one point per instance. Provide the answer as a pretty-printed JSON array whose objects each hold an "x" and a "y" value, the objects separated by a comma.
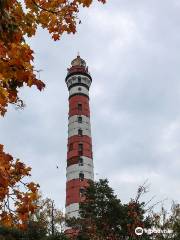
[{"x": 72, "y": 210}]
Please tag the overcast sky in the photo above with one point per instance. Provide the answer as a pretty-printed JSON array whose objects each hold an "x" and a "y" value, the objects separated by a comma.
[{"x": 132, "y": 49}]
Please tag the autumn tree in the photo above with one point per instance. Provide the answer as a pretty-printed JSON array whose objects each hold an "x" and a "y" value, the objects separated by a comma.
[
  {"x": 17, "y": 197},
  {"x": 49, "y": 216},
  {"x": 167, "y": 221},
  {"x": 135, "y": 217},
  {"x": 47, "y": 222},
  {"x": 137, "y": 214}
]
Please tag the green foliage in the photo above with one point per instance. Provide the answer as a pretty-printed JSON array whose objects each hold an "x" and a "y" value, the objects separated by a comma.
[
  {"x": 34, "y": 232},
  {"x": 102, "y": 209},
  {"x": 103, "y": 216},
  {"x": 60, "y": 236},
  {"x": 9, "y": 233}
]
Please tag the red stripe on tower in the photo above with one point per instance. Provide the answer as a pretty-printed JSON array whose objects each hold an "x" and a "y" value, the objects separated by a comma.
[{"x": 79, "y": 148}]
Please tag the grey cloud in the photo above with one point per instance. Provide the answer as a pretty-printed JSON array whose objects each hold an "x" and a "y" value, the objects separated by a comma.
[{"x": 132, "y": 49}]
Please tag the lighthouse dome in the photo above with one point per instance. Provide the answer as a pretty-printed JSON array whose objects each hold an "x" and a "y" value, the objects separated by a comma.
[
  {"x": 79, "y": 62},
  {"x": 78, "y": 66}
]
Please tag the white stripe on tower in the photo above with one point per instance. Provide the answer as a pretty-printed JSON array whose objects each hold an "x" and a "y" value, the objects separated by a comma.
[
  {"x": 74, "y": 126},
  {"x": 78, "y": 90},
  {"x": 74, "y": 170},
  {"x": 79, "y": 155}
]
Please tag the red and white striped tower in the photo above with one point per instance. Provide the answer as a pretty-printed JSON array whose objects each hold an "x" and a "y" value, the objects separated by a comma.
[{"x": 79, "y": 152}]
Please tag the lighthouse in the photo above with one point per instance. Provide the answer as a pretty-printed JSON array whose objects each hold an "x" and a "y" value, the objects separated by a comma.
[{"x": 79, "y": 147}]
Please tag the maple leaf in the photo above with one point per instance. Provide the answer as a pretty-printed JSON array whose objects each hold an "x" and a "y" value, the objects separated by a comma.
[{"x": 56, "y": 37}]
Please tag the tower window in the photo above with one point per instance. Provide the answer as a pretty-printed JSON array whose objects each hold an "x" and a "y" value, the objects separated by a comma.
[
  {"x": 79, "y": 79},
  {"x": 81, "y": 176},
  {"x": 81, "y": 161},
  {"x": 80, "y": 132},
  {"x": 82, "y": 192},
  {"x": 80, "y": 106},
  {"x": 80, "y": 147},
  {"x": 79, "y": 88},
  {"x": 79, "y": 119}
]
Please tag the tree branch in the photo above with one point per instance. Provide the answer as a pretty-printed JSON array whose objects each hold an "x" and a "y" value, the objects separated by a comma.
[{"x": 44, "y": 9}]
